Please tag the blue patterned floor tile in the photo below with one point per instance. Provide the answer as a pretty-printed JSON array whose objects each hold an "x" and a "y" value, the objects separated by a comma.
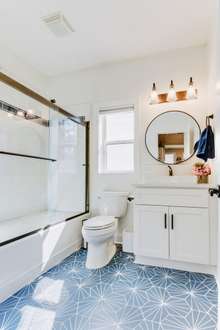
[
  {"x": 122, "y": 295},
  {"x": 135, "y": 292},
  {"x": 125, "y": 318},
  {"x": 149, "y": 325},
  {"x": 161, "y": 305},
  {"x": 102, "y": 296},
  {"x": 194, "y": 320}
]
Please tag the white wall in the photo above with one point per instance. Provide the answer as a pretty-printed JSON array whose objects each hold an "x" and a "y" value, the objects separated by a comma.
[
  {"x": 214, "y": 104},
  {"x": 130, "y": 82},
  {"x": 23, "y": 187}
]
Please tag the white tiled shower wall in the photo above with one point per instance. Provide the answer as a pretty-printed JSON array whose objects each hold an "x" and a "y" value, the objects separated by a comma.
[{"x": 23, "y": 187}]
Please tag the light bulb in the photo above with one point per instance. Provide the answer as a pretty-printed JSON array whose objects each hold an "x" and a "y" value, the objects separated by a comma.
[
  {"x": 20, "y": 113},
  {"x": 154, "y": 96},
  {"x": 10, "y": 115},
  {"x": 172, "y": 92},
  {"x": 191, "y": 93},
  {"x": 30, "y": 112}
]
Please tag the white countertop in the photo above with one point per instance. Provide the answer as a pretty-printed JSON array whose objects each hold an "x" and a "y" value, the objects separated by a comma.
[
  {"x": 176, "y": 181},
  {"x": 172, "y": 185}
]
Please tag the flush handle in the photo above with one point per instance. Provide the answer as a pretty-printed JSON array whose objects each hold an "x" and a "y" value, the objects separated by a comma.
[{"x": 215, "y": 191}]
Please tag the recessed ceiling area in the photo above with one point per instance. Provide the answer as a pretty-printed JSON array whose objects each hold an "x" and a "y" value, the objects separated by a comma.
[{"x": 104, "y": 31}]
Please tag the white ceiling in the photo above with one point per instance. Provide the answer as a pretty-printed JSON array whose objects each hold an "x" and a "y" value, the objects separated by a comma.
[{"x": 105, "y": 30}]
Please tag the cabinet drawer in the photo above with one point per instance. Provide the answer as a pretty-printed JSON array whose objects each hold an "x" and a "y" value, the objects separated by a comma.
[{"x": 171, "y": 196}]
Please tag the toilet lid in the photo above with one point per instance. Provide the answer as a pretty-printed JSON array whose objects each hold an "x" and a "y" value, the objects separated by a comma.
[{"x": 99, "y": 222}]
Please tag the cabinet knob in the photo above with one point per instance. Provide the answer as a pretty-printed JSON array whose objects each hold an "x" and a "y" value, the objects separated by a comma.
[{"x": 165, "y": 221}]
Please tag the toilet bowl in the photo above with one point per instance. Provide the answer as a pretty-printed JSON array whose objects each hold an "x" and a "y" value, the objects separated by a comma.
[
  {"x": 99, "y": 231},
  {"x": 100, "y": 238}
]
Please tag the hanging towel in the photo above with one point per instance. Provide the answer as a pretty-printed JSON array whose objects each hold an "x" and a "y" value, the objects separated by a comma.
[{"x": 205, "y": 146}]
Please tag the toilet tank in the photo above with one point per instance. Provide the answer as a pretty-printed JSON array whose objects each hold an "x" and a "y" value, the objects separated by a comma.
[{"x": 113, "y": 203}]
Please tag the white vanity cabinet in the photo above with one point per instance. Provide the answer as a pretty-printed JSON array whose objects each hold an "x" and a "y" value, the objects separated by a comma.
[
  {"x": 172, "y": 228},
  {"x": 151, "y": 231},
  {"x": 189, "y": 234}
]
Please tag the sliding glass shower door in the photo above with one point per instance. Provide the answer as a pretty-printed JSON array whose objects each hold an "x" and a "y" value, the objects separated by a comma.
[
  {"x": 68, "y": 175},
  {"x": 43, "y": 158}
]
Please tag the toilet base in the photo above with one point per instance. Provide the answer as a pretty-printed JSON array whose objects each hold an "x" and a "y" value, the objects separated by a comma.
[{"x": 99, "y": 255}]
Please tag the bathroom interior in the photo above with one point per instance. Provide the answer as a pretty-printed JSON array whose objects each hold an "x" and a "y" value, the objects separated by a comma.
[{"x": 109, "y": 165}]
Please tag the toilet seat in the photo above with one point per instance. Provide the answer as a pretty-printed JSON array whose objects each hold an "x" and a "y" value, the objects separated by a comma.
[{"x": 99, "y": 222}]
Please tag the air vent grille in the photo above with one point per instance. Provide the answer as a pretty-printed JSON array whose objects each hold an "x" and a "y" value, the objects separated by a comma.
[{"x": 58, "y": 24}]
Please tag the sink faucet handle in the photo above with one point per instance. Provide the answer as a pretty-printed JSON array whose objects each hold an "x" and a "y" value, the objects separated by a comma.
[{"x": 170, "y": 170}]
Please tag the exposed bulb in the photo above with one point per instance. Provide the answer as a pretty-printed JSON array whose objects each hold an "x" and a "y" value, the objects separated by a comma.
[
  {"x": 154, "y": 96},
  {"x": 172, "y": 92},
  {"x": 191, "y": 93},
  {"x": 20, "y": 113},
  {"x": 30, "y": 112},
  {"x": 10, "y": 115}
]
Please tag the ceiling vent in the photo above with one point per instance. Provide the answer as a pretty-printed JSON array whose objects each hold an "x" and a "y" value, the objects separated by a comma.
[{"x": 58, "y": 24}]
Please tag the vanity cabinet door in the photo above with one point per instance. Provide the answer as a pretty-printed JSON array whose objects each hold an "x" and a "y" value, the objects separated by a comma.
[
  {"x": 189, "y": 234},
  {"x": 151, "y": 231}
]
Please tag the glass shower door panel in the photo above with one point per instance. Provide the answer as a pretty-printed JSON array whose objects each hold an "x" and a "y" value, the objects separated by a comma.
[{"x": 68, "y": 180}]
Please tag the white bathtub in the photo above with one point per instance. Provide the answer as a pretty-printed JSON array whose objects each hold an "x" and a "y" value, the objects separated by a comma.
[{"x": 26, "y": 258}]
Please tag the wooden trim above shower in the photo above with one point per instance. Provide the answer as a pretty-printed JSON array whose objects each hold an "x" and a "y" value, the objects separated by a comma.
[{"x": 34, "y": 95}]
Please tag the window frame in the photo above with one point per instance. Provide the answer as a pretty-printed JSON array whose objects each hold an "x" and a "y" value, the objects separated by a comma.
[{"x": 103, "y": 143}]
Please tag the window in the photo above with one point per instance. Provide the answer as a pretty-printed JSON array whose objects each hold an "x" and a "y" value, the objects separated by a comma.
[{"x": 116, "y": 139}]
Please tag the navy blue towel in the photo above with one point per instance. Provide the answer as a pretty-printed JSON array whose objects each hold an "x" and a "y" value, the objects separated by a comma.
[{"x": 205, "y": 146}]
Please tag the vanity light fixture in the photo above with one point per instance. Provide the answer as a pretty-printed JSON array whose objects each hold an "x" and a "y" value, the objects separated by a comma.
[
  {"x": 172, "y": 92},
  {"x": 192, "y": 91},
  {"x": 154, "y": 96},
  {"x": 172, "y": 96}
]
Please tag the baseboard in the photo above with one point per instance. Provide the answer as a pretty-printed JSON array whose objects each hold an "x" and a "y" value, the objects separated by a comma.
[
  {"x": 190, "y": 267},
  {"x": 11, "y": 287}
]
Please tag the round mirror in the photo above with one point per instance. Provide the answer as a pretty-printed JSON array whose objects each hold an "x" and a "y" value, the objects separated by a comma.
[{"x": 171, "y": 136}]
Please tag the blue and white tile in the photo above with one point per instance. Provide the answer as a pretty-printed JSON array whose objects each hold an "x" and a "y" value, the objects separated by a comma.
[
  {"x": 122, "y": 295},
  {"x": 194, "y": 320}
]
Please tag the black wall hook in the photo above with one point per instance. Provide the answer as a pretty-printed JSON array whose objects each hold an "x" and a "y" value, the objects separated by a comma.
[{"x": 208, "y": 119}]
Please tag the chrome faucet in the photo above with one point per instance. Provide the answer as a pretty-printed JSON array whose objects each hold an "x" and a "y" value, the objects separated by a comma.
[{"x": 170, "y": 170}]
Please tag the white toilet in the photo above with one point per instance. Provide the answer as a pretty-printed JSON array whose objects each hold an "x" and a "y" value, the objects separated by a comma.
[{"x": 99, "y": 231}]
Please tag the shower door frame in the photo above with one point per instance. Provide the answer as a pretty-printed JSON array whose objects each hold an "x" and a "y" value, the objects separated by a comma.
[{"x": 80, "y": 120}]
